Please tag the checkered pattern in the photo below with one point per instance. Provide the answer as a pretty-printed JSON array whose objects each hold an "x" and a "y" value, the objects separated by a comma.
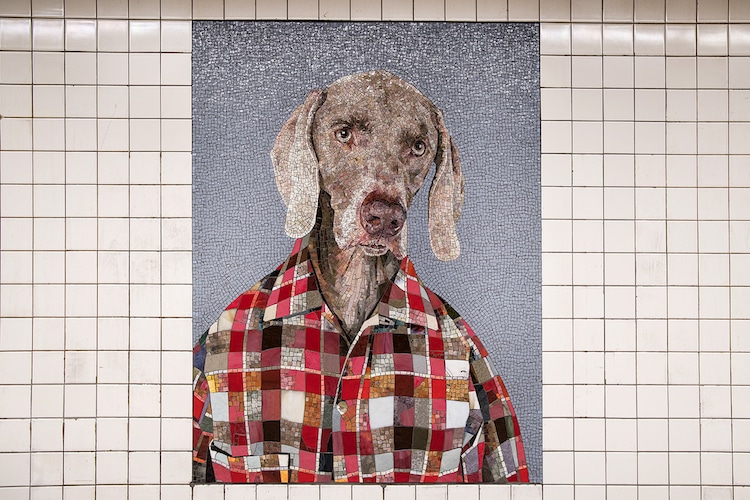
[{"x": 280, "y": 395}]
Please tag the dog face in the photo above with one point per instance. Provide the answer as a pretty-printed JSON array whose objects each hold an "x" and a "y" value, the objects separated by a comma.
[{"x": 368, "y": 141}]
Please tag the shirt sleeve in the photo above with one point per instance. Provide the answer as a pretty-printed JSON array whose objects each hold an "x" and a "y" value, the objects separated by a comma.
[
  {"x": 202, "y": 421},
  {"x": 496, "y": 449}
]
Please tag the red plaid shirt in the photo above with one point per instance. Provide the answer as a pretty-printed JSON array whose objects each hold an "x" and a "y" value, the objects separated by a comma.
[{"x": 281, "y": 395}]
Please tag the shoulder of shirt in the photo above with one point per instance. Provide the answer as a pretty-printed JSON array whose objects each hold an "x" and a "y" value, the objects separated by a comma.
[{"x": 254, "y": 297}]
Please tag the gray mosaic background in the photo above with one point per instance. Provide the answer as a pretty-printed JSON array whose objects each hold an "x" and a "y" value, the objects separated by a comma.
[{"x": 247, "y": 79}]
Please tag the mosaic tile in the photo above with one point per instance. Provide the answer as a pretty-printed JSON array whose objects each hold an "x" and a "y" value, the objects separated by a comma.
[{"x": 333, "y": 370}]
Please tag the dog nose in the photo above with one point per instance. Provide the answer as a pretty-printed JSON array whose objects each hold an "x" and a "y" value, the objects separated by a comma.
[{"x": 381, "y": 216}]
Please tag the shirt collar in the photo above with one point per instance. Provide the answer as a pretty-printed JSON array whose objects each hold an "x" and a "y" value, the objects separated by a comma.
[{"x": 295, "y": 291}]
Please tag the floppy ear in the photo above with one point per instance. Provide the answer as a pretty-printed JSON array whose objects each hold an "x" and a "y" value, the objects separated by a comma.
[
  {"x": 446, "y": 196},
  {"x": 295, "y": 167}
]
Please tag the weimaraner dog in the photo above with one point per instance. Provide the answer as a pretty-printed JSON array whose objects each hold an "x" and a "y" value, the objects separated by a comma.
[
  {"x": 341, "y": 365},
  {"x": 348, "y": 163}
]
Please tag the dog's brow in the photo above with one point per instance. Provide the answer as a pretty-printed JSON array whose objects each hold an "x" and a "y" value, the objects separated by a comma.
[{"x": 359, "y": 122}]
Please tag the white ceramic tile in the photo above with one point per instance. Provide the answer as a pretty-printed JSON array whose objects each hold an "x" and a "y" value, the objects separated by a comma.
[
  {"x": 144, "y": 168},
  {"x": 618, "y": 10},
  {"x": 586, "y": 39},
  {"x": 144, "y": 69},
  {"x": 111, "y": 8},
  {"x": 649, "y": 72},
  {"x": 554, "y": 38},
  {"x": 112, "y": 69},
  {"x": 47, "y": 401},
  {"x": 588, "y": 137},
  {"x": 622, "y": 468},
  {"x": 716, "y": 10},
  {"x": 560, "y": 467},
  {"x": 519, "y": 10},
  {"x": 712, "y": 40},
  {"x": 492, "y": 10},
  {"x": 589, "y": 467},
  {"x": 429, "y": 10},
  {"x": 144, "y": 434},
  {"x": 739, "y": 40},
  {"x": 144, "y": 267},
  {"x": 112, "y": 36},
  {"x": 80, "y": 35},
  {"x": 586, "y": 10},
  {"x": 143, "y": 9},
  {"x": 238, "y": 9},
  {"x": 46, "y": 469},
  {"x": 586, "y": 104},
  {"x": 617, "y": 39},
  {"x": 586, "y": 71},
  {"x": 681, "y": 40},
  {"x": 144, "y": 102},
  {"x": 111, "y": 467},
  {"x": 15, "y": 101},
  {"x": 80, "y": 68},
  {"x": 144, "y": 135},
  {"x": 713, "y": 72},
  {"x": 175, "y": 69},
  {"x": 649, "y": 10},
  {"x": 555, "y": 71},
  {"x": 80, "y": 8},
  {"x": 145, "y": 36},
  {"x": 143, "y": 467},
  {"x": 552, "y": 10},
  {"x": 15, "y": 34},
  {"x": 589, "y": 434},
  {"x": 48, "y": 34},
  {"x": 681, "y": 11},
  {"x": 267, "y": 9},
  {"x": 649, "y": 40}
]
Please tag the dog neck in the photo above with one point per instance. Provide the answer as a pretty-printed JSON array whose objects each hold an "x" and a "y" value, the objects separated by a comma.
[{"x": 351, "y": 282}]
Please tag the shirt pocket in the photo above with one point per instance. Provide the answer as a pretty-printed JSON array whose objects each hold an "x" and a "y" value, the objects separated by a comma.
[{"x": 269, "y": 468}]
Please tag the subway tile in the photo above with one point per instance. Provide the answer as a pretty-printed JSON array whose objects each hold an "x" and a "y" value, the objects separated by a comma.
[
  {"x": 111, "y": 9},
  {"x": 207, "y": 9},
  {"x": 239, "y": 9},
  {"x": 617, "y": 10},
  {"x": 145, "y": 36},
  {"x": 15, "y": 34},
  {"x": 712, "y": 40},
  {"x": 268, "y": 9},
  {"x": 553, "y": 10},
  {"x": 586, "y": 10},
  {"x": 649, "y": 40},
  {"x": 713, "y": 11},
  {"x": 492, "y": 10},
  {"x": 48, "y": 34},
  {"x": 459, "y": 10},
  {"x": 649, "y": 11},
  {"x": 586, "y": 39},
  {"x": 681, "y": 40},
  {"x": 80, "y": 35},
  {"x": 520, "y": 10},
  {"x": 618, "y": 39},
  {"x": 298, "y": 9},
  {"x": 554, "y": 38},
  {"x": 739, "y": 40}
]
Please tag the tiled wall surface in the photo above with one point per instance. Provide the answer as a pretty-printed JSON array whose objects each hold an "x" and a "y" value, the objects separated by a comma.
[{"x": 646, "y": 246}]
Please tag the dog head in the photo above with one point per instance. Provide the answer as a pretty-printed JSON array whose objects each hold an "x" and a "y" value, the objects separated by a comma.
[{"x": 368, "y": 141}]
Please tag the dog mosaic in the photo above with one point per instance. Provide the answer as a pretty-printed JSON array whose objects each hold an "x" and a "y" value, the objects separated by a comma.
[{"x": 341, "y": 365}]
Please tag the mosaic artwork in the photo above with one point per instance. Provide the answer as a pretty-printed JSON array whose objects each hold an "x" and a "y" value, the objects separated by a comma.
[{"x": 341, "y": 364}]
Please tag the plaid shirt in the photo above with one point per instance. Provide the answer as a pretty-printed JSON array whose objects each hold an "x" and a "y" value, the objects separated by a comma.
[{"x": 281, "y": 395}]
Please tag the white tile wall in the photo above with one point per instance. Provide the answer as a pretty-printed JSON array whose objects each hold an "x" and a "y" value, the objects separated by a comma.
[{"x": 646, "y": 246}]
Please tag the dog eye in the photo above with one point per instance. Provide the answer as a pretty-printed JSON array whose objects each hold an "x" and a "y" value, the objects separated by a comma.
[
  {"x": 419, "y": 148},
  {"x": 343, "y": 135}
]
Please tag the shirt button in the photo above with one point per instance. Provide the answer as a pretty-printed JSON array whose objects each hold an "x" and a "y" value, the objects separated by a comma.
[{"x": 342, "y": 406}]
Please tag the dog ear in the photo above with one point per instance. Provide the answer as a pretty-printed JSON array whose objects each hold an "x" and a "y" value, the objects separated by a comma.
[
  {"x": 446, "y": 196},
  {"x": 296, "y": 167}
]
